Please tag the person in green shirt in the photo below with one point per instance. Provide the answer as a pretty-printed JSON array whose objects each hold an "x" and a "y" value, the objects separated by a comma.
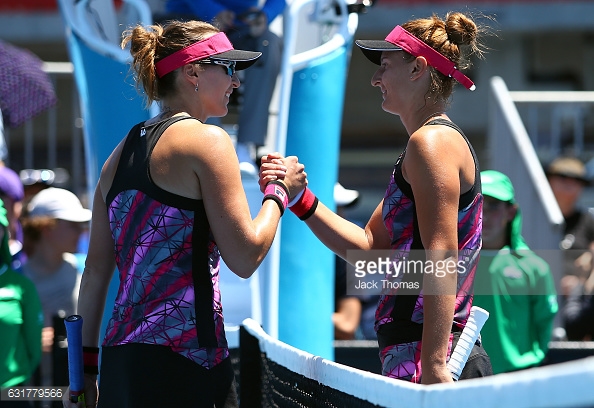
[
  {"x": 21, "y": 319},
  {"x": 514, "y": 284}
]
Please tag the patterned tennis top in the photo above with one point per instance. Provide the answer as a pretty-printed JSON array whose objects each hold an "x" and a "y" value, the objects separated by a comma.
[
  {"x": 399, "y": 316},
  {"x": 167, "y": 259}
]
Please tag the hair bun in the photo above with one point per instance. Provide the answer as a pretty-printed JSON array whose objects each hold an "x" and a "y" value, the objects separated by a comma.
[{"x": 461, "y": 29}]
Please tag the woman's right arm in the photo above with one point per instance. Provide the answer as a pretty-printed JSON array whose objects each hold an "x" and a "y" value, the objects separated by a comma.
[
  {"x": 334, "y": 231},
  {"x": 341, "y": 235},
  {"x": 242, "y": 241},
  {"x": 99, "y": 269},
  {"x": 100, "y": 262}
]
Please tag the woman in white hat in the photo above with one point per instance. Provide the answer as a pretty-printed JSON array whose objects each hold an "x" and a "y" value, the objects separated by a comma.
[{"x": 53, "y": 222}]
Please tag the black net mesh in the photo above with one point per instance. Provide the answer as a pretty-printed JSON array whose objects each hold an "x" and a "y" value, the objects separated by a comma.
[
  {"x": 282, "y": 387},
  {"x": 265, "y": 383}
]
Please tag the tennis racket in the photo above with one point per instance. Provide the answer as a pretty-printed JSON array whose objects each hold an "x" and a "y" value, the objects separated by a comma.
[
  {"x": 75, "y": 357},
  {"x": 469, "y": 336}
]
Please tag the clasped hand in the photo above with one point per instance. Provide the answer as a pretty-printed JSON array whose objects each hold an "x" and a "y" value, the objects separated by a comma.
[
  {"x": 287, "y": 169},
  {"x": 90, "y": 394}
]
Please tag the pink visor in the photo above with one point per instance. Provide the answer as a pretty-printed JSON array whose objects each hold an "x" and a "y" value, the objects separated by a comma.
[
  {"x": 400, "y": 39},
  {"x": 218, "y": 47}
]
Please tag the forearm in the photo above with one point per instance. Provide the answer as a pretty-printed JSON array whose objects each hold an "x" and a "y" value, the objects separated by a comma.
[
  {"x": 439, "y": 301},
  {"x": 347, "y": 318},
  {"x": 544, "y": 309},
  {"x": 91, "y": 305},
  {"x": 545, "y": 331},
  {"x": 334, "y": 231},
  {"x": 244, "y": 255},
  {"x": 337, "y": 233}
]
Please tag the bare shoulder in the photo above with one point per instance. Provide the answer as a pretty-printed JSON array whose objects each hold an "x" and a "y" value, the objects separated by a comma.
[
  {"x": 189, "y": 144},
  {"x": 435, "y": 136},
  {"x": 438, "y": 142},
  {"x": 432, "y": 151},
  {"x": 195, "y": 138},
  {"x": 444, "y": 152}
]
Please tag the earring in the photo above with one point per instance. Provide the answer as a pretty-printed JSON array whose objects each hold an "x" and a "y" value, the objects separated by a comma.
[{"x": 196, "y": 88}]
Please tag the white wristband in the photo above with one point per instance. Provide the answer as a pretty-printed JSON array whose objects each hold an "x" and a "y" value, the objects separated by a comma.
[{"x": 296, "y": 198}]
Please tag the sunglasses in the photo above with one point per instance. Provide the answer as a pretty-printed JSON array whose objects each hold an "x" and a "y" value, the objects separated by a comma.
[{"x": 229, "y": 65}]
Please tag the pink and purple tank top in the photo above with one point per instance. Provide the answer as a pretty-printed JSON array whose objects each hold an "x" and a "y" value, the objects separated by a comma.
[
  {"x": 167, "y": 260},
  {"x": 399, "y": 316}
]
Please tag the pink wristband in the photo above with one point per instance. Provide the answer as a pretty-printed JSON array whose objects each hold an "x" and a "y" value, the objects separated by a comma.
[
  {"x": 306, "y": 205},
  {"x": 277, "y": 191}
]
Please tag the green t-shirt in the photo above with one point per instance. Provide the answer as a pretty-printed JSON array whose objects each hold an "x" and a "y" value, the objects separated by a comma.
[
  {"x": 518, "y": 291},
  {"x": 21, "y": 321}
]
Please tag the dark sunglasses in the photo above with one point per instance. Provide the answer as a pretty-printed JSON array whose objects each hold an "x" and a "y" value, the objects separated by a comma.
[{"x": 229, "y": 65}]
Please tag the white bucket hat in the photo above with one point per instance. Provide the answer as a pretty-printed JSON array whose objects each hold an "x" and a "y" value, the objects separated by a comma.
[{"x": 58, "y": 203}]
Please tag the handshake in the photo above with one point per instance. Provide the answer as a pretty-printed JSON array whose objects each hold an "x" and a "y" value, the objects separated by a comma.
[{"x": 288, "y": 174}]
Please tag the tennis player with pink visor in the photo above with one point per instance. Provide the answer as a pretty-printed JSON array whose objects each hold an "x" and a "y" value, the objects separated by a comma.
[
  {"x": 169, "y": 204},
  {"x": 432, "y": 208},
  {"x": 433, "y": 202}
]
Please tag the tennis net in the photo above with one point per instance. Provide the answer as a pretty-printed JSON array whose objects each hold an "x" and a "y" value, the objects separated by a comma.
[{"x": 274, "y": 374}]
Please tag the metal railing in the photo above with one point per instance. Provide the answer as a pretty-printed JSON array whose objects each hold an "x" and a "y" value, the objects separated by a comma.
[
  {"x": 556, "y": 120},
  {"x": 511, "y": 151}
]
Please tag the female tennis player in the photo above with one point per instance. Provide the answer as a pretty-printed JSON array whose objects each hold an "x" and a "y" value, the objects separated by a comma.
[
  {"x": 168, "y": 204},
  {"x": 431, "y": 211}
]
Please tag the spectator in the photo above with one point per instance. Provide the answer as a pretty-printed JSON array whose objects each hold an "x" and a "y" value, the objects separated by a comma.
[
  {"x": 578, "y": 311},
  {"x": 21, "y": 320},
  {"x": 247, "y": 26},
  {"x": 512, "y": 283},
  {"x": 52, "y": 225},
  {"x": 567, "y": 177}
]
